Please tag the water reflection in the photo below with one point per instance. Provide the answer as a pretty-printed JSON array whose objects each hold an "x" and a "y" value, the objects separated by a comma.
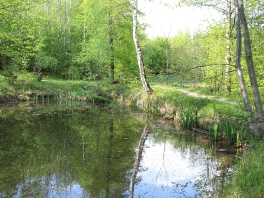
[
  {"x": 138, "y": 159},
  {"x": 171, "y": 167},
  {"x": 97, "y": 153}
]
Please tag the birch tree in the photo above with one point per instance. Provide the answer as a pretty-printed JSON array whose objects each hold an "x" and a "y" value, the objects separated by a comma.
[
  {"x": 143, "y": 77},
  {"x": 228, "y": 45}
]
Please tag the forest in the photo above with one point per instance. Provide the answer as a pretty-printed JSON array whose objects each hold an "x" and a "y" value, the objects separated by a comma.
[
  {"x": 80, "y": 40},
  {"x": 92, "y": 40}
]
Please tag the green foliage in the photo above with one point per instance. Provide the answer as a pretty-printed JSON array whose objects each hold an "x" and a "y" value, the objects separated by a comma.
[
  {"x": 235, "y": 134},
  {"x": 66, "y": 37},
  {"x": 86, "y": 67},
  {"x": 18, "y": 36},
  {"x": 74, "y": 73},
  {"x": 45, "y": 62},
  {"x": 189, "y": 117},
  {"x": 155, "y": 55},
  {"x": 213, "y": 131}
]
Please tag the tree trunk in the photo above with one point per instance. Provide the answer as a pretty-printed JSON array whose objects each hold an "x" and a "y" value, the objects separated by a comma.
[
  {"x": 167, "y": 60},
  {"x": 49, "y": 30},
  {"x": 250, "y": 63},
  {"x": 239, "y": 71},
  {"x": 111, "y": 43},
  {"x": 143, "y": 78},
  {"x": 228, "y": 44}
]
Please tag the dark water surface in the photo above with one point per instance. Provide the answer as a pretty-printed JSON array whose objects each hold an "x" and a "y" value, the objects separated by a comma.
[{"x": 75, "y": 151}]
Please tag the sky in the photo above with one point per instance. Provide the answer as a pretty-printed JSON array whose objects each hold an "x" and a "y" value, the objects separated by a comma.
[{"x": 168, "y": 20}]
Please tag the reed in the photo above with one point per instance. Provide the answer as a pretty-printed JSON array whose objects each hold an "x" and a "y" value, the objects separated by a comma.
[
  {"x": 229, "y": 132},
  {"x": 235, "y": 134},
  {"x": 213, "y": 131},
  {"x": 189, "y": 117}
]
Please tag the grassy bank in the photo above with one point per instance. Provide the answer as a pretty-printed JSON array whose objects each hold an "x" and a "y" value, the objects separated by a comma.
[
  {"x": 247, "y": 181},
  {"x": 27, "y": 88},
  {"x": 218, "y": 119}
]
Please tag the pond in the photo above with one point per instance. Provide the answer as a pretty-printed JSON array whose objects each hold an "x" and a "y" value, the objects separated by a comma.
[{"x": 69, "y": 150}]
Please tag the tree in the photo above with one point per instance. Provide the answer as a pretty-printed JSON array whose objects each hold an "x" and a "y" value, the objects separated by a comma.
[
  {"x": 250, "y": 63},
  {"x": 228, "y": 45},
  {"x": 111, "y": 50},
  {"x": 239, "y": 71},
  {"x": 18, "y": 34},
  {"x": 104, "y": 50},
  {"x": 143, "y": 77},
  {"x": 219, "y": 6},
  {"x": 155, "y": 55}
]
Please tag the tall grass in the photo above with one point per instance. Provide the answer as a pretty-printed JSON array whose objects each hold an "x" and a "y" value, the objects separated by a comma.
[
  {"x": 189, "y": 117},
  {"x": 213, "y": 131},
  {"x": 247, "y": 181},
  {"x": 235, "y": 134}
]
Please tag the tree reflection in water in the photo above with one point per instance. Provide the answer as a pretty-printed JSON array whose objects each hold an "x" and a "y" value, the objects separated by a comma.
[
  {"x": 138, "y": 159},
  {"x": 179, "y": 164}
]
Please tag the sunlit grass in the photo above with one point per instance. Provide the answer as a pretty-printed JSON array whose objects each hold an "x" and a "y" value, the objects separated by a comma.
[{"x": 197, "y": 87}]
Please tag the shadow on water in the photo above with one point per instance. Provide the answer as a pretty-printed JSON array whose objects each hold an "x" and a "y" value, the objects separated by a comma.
[{"x": 69, "y": 150}]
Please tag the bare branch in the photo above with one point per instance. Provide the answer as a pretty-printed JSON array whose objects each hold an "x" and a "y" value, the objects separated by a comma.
[
  {"x": 195, "y": 67},
  {"x": 209, "y": 78}
]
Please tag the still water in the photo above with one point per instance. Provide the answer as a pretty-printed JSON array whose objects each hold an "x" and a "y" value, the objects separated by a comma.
[{"x": 76, "y": 151}]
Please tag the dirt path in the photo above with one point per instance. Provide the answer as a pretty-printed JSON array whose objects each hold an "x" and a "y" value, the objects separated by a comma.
[{"x": 193, "y": 94}]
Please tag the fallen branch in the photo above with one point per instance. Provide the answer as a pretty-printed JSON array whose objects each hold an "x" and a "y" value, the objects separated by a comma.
[{"x": 200, "y": 131}]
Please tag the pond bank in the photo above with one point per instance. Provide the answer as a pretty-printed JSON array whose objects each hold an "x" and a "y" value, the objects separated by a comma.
[{"x": 219, "y": 119}]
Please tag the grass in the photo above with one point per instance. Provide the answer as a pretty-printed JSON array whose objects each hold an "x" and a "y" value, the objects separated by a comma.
[
  {"x": 248, "y": 181},
  {"x": 201, "y": 87},
  {"x": 27, "y": 88}
]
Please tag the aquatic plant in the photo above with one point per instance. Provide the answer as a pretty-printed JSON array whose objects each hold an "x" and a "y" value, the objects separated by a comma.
[
  {"x": 189, "y": 117},
  {"x": 235, "y": 134},
  {"x": 213, "y": 130},
  {"x": 229, "y": 132}
]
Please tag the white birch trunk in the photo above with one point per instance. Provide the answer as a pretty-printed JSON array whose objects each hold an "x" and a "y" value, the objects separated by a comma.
[
  {"x": 143, "y": 78},
  {"x": 228, "y": 44}
]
